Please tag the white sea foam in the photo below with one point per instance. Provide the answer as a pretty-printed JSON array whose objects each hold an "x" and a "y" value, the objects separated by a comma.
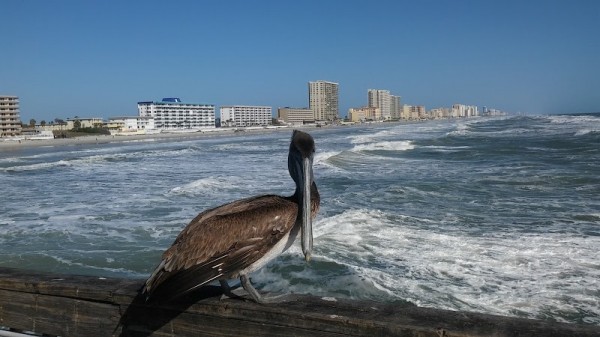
[
  {"x": 499, "y": 273},
  {"x": 460, "y": 129},
  {"x": 245, "y": 147},
  {"x": 385, "y": 146},
  {"x": 369, "y": 138},
  {"x": 118, "y": 271},
  {"x": 574, "y": 119},
  {"x": 447, "y": 149},
  {"x": 584, "y": 132},
  {"x": 37, "y": 166},
  {"x": 322, "y": 160},
  {"x": 70, "y": 162},
  {"x": 209, "y": 185},
  {"x": 11, "y": 160},
  {"x": 361, "y": 139},
  {"x": 322, "y": 157}
]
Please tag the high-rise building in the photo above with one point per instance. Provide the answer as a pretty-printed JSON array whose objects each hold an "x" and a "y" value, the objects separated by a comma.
[
  {"x": 381, "y": 99},
  {"x": 171, "y": 113},
  {"x": 461, "y": 110},
  {"x": 388, "y": 104},
  {"x": 324, "y": 100},
  {"x": 245, "y": 115},
  {"x": 395, "y": 107},
  {"x": 10, "y": 121}
]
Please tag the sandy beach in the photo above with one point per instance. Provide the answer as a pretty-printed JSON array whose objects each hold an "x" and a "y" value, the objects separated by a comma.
[{"x": 13, "y": 144}]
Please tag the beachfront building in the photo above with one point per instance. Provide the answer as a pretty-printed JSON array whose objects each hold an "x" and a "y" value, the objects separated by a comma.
[
  {"x": 492, "y": 112},
  {"x": 395, "y": 107},
  {"x": 462, "y": 110},
  {"x": 173, "y": 114},
  {"x": 405, "y": 112},
  {"x": 418, "y": 112},
  {"x": 438, "y": 113},
  {"x": 388, "y": 104},
  {"x": 246, "y": 115},
  {"x": 323, "y": 100},
  {"x": 10, "y": 121},
  {"x": 84, "y": 123},
  {"x": 133, "y": 124},
  {"x": 56, "y": 125},
  {"x": 381, "y": 99},
  {"x": 414, "y": 112},
  {"x": 364, "y": 114},
  {"x": 296, "y": 116}
]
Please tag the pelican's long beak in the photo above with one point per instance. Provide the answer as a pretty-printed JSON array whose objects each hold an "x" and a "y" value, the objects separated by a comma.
[{"x": 307, "y": 237}]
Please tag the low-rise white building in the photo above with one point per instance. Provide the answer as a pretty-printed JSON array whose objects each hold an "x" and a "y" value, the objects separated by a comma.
[
  {"x": 246, "y": 115},
  {"x": 172, "y": 114},
  {"x": 133, "y": 124}
]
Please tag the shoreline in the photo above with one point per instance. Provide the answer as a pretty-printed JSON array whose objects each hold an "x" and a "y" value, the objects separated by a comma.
[
  {"x": 113, "y": 139},
  {"x": 11, "y": 145},
  {"x": 16, "y": 144}
]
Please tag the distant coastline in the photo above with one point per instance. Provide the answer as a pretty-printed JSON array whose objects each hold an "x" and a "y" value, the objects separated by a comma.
[{"x": 15, "y": 144}]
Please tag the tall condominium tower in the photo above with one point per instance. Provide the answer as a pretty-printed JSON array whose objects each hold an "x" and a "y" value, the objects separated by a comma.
[
  {"x": 323, "y": 100},
  {"x": 395, "y": 107},
  {"x": 381, "y": 99},
  {"x": 386, "y": 102},
  {"x": 10, "y": 122}
]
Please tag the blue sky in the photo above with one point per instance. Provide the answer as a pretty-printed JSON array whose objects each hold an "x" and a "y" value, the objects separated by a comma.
[{"x": 99, "y": 58}]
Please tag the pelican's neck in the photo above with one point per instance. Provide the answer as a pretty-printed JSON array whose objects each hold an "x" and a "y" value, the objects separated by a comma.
[{"x": 315, "y": 197}]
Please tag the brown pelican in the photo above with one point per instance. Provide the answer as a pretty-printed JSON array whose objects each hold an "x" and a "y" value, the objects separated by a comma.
[{"x": 240, "y": 237}]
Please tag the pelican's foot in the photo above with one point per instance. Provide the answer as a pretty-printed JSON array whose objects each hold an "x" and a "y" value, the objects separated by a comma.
[
  {"x": 229, "y": 292},
  {"x": 247, "y": 292},
  {"x": 256, "y": 297},
  {"x": 268, "y": 299}
]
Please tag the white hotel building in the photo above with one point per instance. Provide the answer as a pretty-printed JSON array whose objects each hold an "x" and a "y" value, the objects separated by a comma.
[
  {"x": 245, "y": 115},
  {"x": 134, "y": 124},
  {"x": 172, "y": 114}
]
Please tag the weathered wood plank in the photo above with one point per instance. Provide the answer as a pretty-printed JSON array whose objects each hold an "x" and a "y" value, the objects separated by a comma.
[
  {"x": 74, "y": 286},
  {"x": 69, "y": 305},
  {"x": 233, "y": 317},
  {"x": 56, "y": 315}
]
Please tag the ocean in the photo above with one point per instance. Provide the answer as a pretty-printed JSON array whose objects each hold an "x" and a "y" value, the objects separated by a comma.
[{"x": 499, "y": 215}]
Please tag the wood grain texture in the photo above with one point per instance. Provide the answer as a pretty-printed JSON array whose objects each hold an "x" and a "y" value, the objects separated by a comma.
[{"x": 70, "y": 305}]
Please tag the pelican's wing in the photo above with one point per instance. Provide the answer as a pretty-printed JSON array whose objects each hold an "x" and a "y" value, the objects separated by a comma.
[{"x": 220, "y": 242}]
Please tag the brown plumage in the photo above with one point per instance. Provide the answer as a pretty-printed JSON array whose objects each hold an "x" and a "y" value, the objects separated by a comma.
[{"x": 237, "y": 238}]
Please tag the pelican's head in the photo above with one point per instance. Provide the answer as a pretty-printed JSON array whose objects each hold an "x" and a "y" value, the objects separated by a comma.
[{"x": 300, "y": 159}]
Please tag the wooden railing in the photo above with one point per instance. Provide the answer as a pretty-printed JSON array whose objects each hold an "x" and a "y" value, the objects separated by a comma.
[{"x": 70, "y": 305}]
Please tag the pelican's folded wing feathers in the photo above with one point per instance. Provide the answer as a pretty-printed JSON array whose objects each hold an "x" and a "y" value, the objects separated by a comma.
[{"x": 220, "y": 242}]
